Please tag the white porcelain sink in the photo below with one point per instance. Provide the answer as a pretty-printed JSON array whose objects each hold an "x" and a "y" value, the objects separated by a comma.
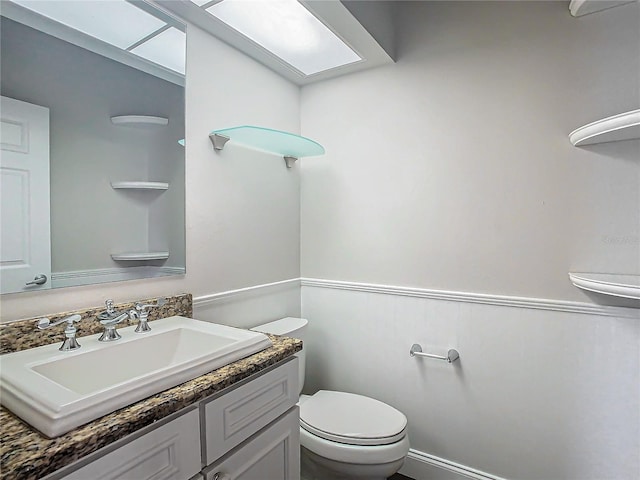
[{"x": 57, "y": 391}]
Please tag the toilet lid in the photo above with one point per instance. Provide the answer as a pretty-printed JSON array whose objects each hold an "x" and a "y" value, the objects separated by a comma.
[{"x": 352, "y": 419}]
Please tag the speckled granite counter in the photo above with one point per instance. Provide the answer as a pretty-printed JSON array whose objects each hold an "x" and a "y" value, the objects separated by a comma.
[{"x": 25, "y": 454}]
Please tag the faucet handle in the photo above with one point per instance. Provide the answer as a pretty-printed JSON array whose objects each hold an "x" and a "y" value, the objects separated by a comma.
[
  {"x": 70, "y": 342},
  {"x": 141, "y": 307},
  {"x": 110, "y": 308},
  {"x": 141, "y": 313},
  {"x": 45, "y": 322},
  {"x": 109, "y": 314}
]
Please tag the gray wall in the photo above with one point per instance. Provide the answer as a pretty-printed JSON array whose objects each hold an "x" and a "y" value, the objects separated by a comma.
[
  {"x": 452, "y": 171},
  {"x": 452, "y": 168},
  {"x": 243, "y": 207},
  {"x": 90, "y": 220}
]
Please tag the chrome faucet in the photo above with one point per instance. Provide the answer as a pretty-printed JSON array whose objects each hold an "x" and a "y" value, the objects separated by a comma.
[
  {"x": 141, "y": 313},
  {"x": 109, "y": 319},
  {"x": 70, "y": 342}
]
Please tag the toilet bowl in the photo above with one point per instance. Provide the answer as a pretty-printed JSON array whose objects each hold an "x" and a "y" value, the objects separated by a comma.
[{"x": 344, "y": 435}]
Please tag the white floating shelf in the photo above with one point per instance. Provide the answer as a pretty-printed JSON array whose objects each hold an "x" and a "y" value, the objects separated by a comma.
[
  {"x": 139, "y": 120},
  {"x": 627, "y": 286},
  {"x": 624, "y": 126},
  {"x": 140, "y": 185},
  {"x": 139, "y": 256},
  {"x": 584, "y": 7}
]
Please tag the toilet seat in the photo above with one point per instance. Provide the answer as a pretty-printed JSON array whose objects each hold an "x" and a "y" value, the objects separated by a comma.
[
  {"x": 352, "y": 419},
  {"x": 355, "y": 454}
]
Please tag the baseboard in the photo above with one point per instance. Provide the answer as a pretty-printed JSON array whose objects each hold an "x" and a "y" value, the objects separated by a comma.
[
  {"x": 467, "y": 297},
  {"x": 423, "y": 466},
  {"x": 103, "y": 275}
]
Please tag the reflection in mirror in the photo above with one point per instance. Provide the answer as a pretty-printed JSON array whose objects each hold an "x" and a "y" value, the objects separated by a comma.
[{"x": 92, "y": 172}]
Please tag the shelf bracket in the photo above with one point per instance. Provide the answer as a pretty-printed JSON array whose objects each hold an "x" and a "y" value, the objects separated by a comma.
[
  {"x": 218, "y": 141},
  {"x": 289, "y": 161}
]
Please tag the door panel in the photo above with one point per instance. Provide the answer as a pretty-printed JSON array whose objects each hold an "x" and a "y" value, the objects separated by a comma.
[{"x": 25, "y": 245}]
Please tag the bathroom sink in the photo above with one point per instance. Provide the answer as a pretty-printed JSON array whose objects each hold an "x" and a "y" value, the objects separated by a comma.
[{"x": 57, "y": 391}]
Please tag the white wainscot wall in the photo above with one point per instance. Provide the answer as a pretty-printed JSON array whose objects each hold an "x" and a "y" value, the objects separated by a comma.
[
  {"x": 543, "y": 390},
  {"x": 251, "y": 306}
]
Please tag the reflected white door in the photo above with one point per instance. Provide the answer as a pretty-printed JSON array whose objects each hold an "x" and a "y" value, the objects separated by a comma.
[{"x": 25, "y": 242}]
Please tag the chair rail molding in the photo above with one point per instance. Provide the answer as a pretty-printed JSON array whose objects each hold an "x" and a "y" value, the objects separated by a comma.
[{"x": 469, "y": 297}]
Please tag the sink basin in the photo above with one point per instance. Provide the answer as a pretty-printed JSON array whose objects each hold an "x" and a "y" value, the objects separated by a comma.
[{"x": 57, "y": 391}]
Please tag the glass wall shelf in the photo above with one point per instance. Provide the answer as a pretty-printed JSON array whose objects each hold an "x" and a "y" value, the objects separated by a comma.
[{"x": 288, "y": 145}]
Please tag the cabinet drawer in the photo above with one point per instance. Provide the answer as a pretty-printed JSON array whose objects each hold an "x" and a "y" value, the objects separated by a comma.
[
  {"x": 170, "y": 452},
  {"x": 235, "y": 416},
  {"x": 272, "y": 454}
]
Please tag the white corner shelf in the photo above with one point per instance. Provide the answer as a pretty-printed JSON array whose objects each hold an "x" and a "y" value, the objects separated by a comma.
[
  {"x": 626, "y": 286},
  {"x": 140, "y": 185},
  {"x": 139, "y": 120},
  {"x": 624, "y": 126},
  {"x": 139, "y": 256},
  {"x": 585, "y": 7}
]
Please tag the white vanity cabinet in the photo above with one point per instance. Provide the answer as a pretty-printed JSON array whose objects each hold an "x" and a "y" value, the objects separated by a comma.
[
  {"x": 170, "y": 452},
  {"x": 249, "y": 431},
  {"x": 272, "y": 454},
  {"x": 235, "y": 416}
]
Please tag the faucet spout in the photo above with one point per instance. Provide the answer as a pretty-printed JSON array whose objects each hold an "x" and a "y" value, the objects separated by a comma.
[{"x": 110, "y": 318}]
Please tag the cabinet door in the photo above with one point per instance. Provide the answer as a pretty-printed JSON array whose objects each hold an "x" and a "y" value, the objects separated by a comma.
[
  {"x": 271, "y": 454},
  {"x": 170, "y": 452},
  {"x": 238, "y": 414}
]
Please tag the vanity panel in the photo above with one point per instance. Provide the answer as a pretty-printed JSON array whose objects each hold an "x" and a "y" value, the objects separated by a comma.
[
  {"x": 272, "y": 453},
  {"x": 170, "y": 452},
  {"x": 232, "y": 418}
]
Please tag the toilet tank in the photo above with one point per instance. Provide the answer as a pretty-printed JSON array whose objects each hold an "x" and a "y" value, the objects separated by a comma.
[{"x": 289, "y": 327}]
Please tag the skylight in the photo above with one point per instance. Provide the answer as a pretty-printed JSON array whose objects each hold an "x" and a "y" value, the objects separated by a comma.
[
  {"x": 97, "y": 19},
  {"x": 167, "y": 49},
  {"x": 120, "y": 24},
  {"x": 288, "y": 30}
]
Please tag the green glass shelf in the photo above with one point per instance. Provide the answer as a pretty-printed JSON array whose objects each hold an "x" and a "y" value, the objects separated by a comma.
[{"x": 288, "y": 145}]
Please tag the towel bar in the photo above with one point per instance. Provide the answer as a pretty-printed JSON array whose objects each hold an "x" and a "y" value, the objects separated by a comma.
[{"x": 416, "y": 350}]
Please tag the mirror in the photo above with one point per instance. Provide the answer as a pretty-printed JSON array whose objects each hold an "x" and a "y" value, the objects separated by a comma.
[{"x": 93, "y": 177}]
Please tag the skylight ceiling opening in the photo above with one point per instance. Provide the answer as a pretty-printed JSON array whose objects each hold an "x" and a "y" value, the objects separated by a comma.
[
  {"x": 167, "y": 48},
  {"x": 286, "y": 29},
  {"x": 120, "y": 24}
]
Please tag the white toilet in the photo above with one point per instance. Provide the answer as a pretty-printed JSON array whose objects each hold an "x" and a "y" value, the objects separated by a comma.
[{"x": 343, "y": 435}]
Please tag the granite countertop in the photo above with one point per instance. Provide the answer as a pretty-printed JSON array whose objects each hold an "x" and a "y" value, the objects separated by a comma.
[{"x": 26, "y": 454}]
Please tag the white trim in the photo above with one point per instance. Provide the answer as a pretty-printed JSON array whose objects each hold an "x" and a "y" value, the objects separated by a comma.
[
  {"x": 486, "y": 299},
  {"x": 104, "y": 275},
  {"x": 218, "y": 297},
  {"x": 418, "y": 464}
]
